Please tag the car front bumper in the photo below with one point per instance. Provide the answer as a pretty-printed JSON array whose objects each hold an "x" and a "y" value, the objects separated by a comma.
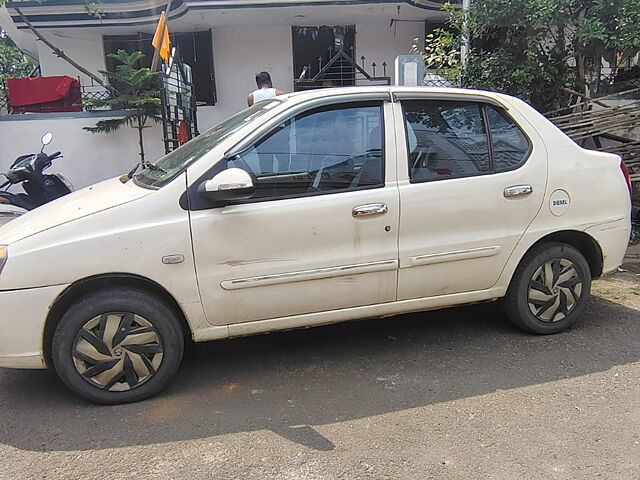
[{"x": 23, "y": 314}]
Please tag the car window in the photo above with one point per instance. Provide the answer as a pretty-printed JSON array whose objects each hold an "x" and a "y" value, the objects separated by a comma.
[
  {"x": 174, "y": 163},
  {"x": 445, "y": 139},
  {"x": 321, "y": 151},
  {"x": 510, "y": 146}
]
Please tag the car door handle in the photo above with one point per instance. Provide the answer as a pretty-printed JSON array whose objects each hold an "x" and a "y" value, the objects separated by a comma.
[
  {"x": 369, "y": 209},
  {"x": 518, "y": 190}
]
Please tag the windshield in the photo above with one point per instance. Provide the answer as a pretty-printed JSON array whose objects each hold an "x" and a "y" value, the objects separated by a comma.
[{"x": 174, "y": 163}]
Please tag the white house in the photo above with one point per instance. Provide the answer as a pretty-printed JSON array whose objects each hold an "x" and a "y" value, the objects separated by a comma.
[{"x": 225, "y": 41}]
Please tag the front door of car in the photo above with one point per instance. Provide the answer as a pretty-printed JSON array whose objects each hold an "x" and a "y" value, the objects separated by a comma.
[
  {"x": 320, "y": 232},
  {"x": 470, "y": 184}
]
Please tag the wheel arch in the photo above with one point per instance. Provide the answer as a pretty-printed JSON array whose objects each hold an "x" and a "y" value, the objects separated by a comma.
[
  {"x": 91, "y": 284},
  {"x": 581, "y": 241}
]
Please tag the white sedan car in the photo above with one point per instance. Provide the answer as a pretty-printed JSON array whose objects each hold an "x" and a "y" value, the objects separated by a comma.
[{"x": 308, "y": 209}]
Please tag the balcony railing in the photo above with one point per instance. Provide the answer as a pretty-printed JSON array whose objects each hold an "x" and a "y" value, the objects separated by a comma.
[
  {"x": 4, "y": 102},
  {"x": 87, "y": 90}
]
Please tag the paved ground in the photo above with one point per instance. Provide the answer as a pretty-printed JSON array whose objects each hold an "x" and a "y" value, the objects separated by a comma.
[{"x": 457, "y": 394}]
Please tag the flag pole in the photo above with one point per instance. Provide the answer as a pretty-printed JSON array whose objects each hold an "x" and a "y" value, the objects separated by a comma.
[
  {"x": 156, "y": 51},
  {"x": 156, "y": 55},
  {"x": 155, "y": 61}
]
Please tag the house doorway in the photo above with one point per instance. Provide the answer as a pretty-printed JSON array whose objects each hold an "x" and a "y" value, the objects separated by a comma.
[{"x": 313, "y": 47}]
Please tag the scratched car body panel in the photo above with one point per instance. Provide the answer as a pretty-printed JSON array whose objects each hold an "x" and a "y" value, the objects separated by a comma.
[{"x": 308, "y": 209}]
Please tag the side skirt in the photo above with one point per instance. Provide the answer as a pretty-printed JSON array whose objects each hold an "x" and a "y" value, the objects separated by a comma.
[{"x": 354, "y": 313}]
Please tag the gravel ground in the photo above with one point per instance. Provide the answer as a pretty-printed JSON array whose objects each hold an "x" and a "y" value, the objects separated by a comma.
[{"x": 454, "y": 394}]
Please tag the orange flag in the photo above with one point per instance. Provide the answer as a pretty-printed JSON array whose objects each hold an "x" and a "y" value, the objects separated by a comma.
[{"x": 161, "y": 41}]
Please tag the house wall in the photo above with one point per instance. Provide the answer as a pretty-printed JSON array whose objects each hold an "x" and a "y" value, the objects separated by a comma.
[
  {"x": 84, "y": 46},
  {"x": 378, "y": 42},
  {"x": 88, "y": 158},
  {"x": 239, "y": 53}
]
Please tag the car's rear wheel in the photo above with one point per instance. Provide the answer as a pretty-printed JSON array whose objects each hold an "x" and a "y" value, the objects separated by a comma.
[
  {"x": 549, "y": 289},
  {"x": 117, "y": 346}
]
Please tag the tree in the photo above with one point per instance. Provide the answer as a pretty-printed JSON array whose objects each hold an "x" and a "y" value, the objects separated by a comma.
[
  {"x": 135, "y": 90},
  {"x": 542, "y": 50},
  {"x": 13, "y": 64},
  {"x": 441, "y": 52}
]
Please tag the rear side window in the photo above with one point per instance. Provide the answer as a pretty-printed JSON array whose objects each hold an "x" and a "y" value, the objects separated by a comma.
[
  {"x": 510, "y": 145},
  {"x": 445, "y": 140},
  {"x": 450, "y": 139}
]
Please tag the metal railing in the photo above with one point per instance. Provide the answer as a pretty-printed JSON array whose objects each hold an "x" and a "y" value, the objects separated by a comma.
[
  {"x": 441, "y": 78},
  {"x": 88, "y": 91},
  {"x": 179, "y": 118},
  {"x": 93, "y": 91},
  {"x": 4, "y": 102},
  {"x": 340, "y": 71}
]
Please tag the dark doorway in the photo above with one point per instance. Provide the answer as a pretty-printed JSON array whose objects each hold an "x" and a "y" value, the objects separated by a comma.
[
  {"x": 129, "y": 43},
  {"x": 313, "y": 47},
  {"x": 196, "y": 50}
]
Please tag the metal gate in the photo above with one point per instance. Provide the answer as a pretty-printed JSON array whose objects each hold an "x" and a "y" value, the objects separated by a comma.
[
  {"x": 179, "y": 119},
  {"x": 341, "y": 70}
]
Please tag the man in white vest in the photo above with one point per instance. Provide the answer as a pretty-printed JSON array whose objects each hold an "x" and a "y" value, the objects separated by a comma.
[{"x": 265, "y": 89}]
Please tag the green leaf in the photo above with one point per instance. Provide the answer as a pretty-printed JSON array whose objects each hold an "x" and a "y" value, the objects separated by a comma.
[
  {"x": 135, "y": 90},
  {"x": 109, "y": 126},
  {"x": 13, "y": 63},
  {"x": 532, "y": 48}
]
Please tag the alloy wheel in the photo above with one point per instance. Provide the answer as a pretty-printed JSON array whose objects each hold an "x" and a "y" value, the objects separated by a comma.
[
  {"x": 117, "y": 351},
  {"x": 554, "y": 290}
]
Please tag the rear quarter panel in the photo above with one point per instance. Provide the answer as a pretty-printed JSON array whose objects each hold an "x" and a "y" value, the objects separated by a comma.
[{"x": 598, "y": 197}]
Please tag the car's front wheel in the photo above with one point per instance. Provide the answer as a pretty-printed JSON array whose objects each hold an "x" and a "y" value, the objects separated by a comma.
[
  {"x": 117, "y": 346},
  {"x": 549, "y": 289}
]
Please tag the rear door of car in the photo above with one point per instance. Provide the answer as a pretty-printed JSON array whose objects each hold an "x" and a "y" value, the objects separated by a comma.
[{"x": 471, "y": 180}]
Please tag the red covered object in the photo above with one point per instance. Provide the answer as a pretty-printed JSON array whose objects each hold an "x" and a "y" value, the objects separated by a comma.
[{"x": 44, "y": 94}]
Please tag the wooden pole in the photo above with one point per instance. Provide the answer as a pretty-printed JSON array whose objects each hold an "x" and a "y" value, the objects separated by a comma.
[
  {"x": 611, "y": 95},
  {"x": 585, "y": 97}
]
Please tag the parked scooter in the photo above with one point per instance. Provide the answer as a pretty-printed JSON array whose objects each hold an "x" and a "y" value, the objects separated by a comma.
[{"x": 39, "y": 187}]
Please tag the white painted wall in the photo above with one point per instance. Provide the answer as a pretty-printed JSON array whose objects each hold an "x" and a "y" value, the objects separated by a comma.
[
  {"x": 84, "y": 46},
  {"x": 379, "y": 43},
  {"x": 88, "y": 158},
  {"x": 239, "y": 53}
]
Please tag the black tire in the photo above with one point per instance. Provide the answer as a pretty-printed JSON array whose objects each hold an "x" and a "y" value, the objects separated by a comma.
[
  {"x": 531, "y": 299},
  {"x": 148, "y": 340}
]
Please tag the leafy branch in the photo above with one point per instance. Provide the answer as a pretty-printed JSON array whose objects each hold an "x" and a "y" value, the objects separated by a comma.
[
  {"x": 134, "y": 90},
  {"x": 538, "y": 49}
]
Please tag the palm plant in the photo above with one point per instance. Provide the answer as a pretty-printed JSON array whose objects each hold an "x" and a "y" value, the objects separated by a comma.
[{"x": 134, "y": 90}]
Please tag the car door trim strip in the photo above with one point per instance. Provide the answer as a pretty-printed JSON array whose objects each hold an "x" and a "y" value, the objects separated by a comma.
[
  {"x": 315, "y": 274},
  {"x": 449, "y": 256}
]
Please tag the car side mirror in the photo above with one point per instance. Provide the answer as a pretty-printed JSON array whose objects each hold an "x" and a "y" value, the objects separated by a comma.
[{"x": 230, "y": 184}]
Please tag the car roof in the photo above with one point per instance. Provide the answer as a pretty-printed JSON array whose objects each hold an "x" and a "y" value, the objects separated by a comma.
[{"x": 335, "y": 91}]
